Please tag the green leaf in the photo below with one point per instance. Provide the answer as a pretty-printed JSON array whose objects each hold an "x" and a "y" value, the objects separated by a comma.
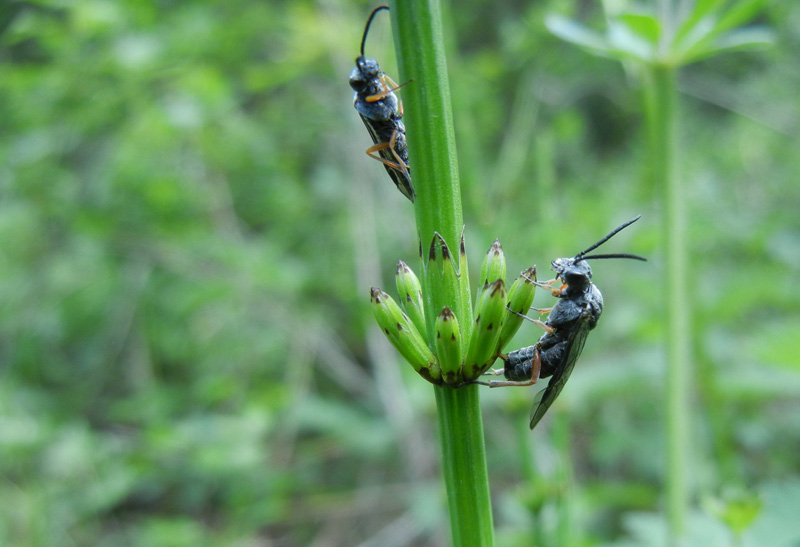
[
  {"x": 736, "y": 509},
  {"x": 629, "y": 37},
  {"x": 570, "y": 30},
  {"x": 739, "y": 14},
  {"x": 645, "y": 26},
  {"x": 694, "y": 38},
  {"x": 702, "y": 10},
  {"x": 628, "y": 43},
  {"x": 699, "y": 35},
  {"x": 704, "y": 7},
  {"x": 784, "y": 346},
  {"x": 736, "y": 40}
]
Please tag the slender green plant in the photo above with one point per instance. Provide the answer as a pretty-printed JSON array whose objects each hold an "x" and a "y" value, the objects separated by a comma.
[
  {"x": 655, "y": 46},
  {"x": 417, "y": 29},
  {"x": 433, "y": 327}
]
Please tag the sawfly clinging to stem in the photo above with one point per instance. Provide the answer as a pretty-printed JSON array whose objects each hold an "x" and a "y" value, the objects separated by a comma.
[
  {"x": 382, "y": 112},
  {"x": 566, "y": 329}
]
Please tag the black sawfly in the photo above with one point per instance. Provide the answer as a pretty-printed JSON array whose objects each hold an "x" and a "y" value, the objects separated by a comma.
[
  {"x": 381, "y": 111},
  {"x": 576, "y": 312}
]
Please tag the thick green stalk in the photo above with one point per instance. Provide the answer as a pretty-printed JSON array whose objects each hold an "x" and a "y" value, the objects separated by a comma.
[
  {"x": 464, "y": 465},
  {"x": 661, "y": 98},
  {"x": 417, "y": 29}
]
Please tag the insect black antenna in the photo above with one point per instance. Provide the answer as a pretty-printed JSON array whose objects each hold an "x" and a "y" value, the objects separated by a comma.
[
  {"x": 581, "y": 255},
  {"x": 618, "y": 255},
  {"x": 369, "y": 22}
]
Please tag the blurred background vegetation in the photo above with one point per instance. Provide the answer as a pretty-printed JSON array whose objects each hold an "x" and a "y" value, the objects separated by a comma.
[{"x": 189, "y": 227}]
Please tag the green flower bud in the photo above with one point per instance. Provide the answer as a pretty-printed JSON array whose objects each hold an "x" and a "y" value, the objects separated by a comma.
[
  {"x": 404, "y": 336},
  {"x": 493, "y": 267},
  {"x": 441, "y": 261},
  {"x": 410, "y": 291},
  {"x": 443, "y": 274},
  {"x": 520, "y": 298},
  {"x": 448, "y": 346},
  {"x": 463, "y": 270},
  {"x": 486, "y": 329}
]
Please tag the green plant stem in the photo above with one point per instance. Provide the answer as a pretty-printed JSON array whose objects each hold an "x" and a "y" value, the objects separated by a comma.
[
  {"x": 417, "y": 29},
  {"x": 661, "y": 98},
  {"x": 464, "y": 465}
]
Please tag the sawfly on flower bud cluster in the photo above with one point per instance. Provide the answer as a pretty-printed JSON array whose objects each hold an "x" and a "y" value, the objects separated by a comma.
[{"x": 579, "y": 306}]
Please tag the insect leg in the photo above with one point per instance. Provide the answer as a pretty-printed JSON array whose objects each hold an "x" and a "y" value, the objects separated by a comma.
[
  {"x": 536, "y": 369},
  {"x": 548, "y": 286},
  {"x": 387, "y": 89},
  {"x": 555, "y": 290},
  {"x": 542, "y": 324},
  {"x": 395, "y": 87},
  {"x": 397, "y": 157},
  {"x": 398, "y": 165},
  {"x": 492, "y": 372},
  {"x": 520, "y": 314}
]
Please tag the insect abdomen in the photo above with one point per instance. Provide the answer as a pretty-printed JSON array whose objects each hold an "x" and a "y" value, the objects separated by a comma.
[{"x": 517, "y": 364}]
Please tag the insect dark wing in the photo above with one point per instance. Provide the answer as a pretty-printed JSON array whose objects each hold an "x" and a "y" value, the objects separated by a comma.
[
  {"x": 402, "y": 179},
  {"x": 545, "y": 398},
  {"x": 396, "y": 156}
]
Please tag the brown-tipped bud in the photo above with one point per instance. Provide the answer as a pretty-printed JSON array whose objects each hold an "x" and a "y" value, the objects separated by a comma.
[
  {"x": 486, "y": 329},
  {"x": 410, "y": 291},
  {"x": 438, "y": 250},
  {"x": 404, "y": 336},
  {"x": 448, "y": 346},
  {"x": 443, "y": 275},
  {"x": 493, "y": 267},
  {"x": 463, "y": 272},
  {"x": 520, "y": 298},
  {"x": 462, "y": 254},
  {"x": 441, "y": 258}
]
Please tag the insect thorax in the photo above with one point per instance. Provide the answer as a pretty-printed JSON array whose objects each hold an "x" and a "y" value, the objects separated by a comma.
[{"x": 570, "y": 306}]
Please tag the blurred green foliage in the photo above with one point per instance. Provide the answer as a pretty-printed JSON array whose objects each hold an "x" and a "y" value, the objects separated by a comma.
[{"x": 189, "y": 227}]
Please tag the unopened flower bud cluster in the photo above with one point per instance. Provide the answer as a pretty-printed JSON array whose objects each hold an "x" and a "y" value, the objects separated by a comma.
[{"x": 462, "y": 348}]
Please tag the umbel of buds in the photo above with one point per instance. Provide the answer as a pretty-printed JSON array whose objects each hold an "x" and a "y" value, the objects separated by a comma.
[{"x": 461, "y": 349}]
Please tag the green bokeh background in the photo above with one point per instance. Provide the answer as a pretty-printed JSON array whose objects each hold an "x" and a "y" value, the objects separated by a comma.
[{"x": 189, "y": 227}]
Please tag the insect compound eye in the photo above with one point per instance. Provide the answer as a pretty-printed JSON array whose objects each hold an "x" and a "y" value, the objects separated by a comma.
[
  {"x": 559, "y": 266},
  {"x": 358, "y": 74},
  {"x": 357, "y": 81}
]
